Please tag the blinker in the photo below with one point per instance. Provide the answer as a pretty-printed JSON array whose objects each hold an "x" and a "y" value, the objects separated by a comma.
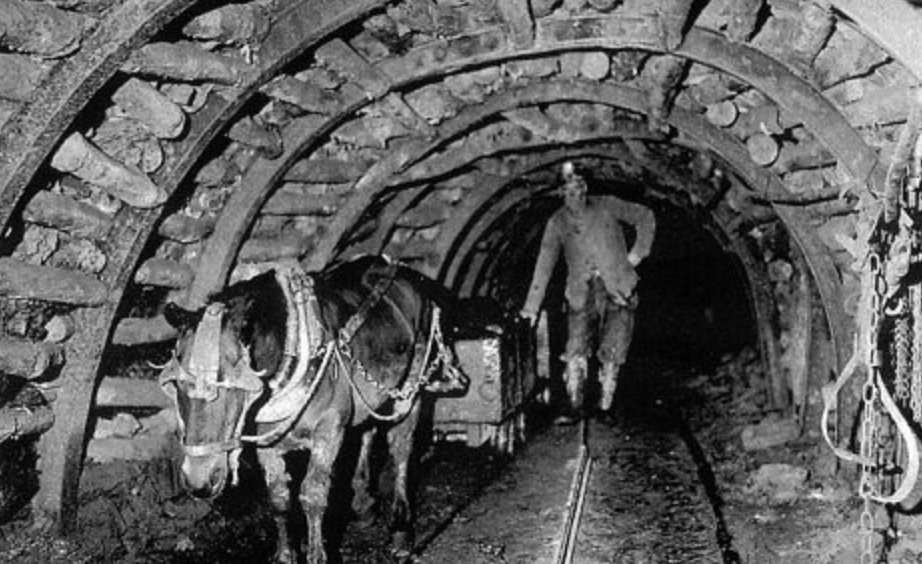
[{"x": 205, "y": 359}]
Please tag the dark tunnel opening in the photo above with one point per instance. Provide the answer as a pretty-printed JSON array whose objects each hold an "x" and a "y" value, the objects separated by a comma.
[
  {"x": 694, "y": 303},
  {"x": 695, "y": 308},
  {"x": 694, "y": 297}
]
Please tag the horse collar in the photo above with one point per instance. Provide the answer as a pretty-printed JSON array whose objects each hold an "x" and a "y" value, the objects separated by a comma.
[
  {"x": 294, "y": 385},
  {"x": 304, "y": 340}
]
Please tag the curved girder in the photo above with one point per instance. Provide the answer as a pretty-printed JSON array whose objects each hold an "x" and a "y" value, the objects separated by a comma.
[
  {"x": 29, "y": 136},
  {"x": 772, "y": 78},
  {"x": 732, "y": 151},
  {"x": 496, "y": 256},
  {"x": 718, "y": 141},
  {"x": 25, "y": 148},
  {"x": 455, "y": 162},
  {"x": 791, "y": 93},
  {"x": 460, "y": 235},
  {"x": 478, "y": 266},
  {"x": 817, "y": 256},
  {"x": 746, "y": 63},
  {"x": 500, "y": 201}
]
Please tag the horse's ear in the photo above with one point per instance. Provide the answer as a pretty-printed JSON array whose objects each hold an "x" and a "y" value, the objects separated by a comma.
[{"x": 180, "y": 317}]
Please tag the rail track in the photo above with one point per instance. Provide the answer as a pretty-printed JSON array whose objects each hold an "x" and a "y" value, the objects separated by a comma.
[
  {"x": 576, "y": 501},
  {"x": 638, "y": 490}
]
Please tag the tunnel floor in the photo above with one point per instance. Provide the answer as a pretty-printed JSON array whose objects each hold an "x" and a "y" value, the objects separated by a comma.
[{"x": 670, "y": 483}]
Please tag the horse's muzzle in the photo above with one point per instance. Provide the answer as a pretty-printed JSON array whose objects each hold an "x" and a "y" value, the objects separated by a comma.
[{"x": 205, "y": 476}]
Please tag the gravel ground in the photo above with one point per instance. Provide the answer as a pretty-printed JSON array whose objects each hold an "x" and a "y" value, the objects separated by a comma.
[{"x": 670, "y": 483}]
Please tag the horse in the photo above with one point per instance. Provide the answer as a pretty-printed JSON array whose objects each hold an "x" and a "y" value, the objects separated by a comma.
[{"x": 288, "y": 361}]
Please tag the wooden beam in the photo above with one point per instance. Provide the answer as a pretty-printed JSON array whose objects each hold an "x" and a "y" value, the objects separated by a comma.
[
  {"x": 20, "y": 76},
  {"x": 517, "y": 14},
  {"x": 185, "y": 61},
  {"x": 139, "y": 100},
  {"x": 326, "y": 171},
  {"x": 340, "y": 56},
  {"x": 16, "y": 422},
  {"x": 28, "y": 359},
  {"x": 186, "y": 229},
  {"x": 67, "y": 214},
  {"x": 143, "y": 331},
  {"x": 131, "y": 393},
  {"x": 39, "y": 29},
  {"x": 89, "y": 163},
  {"x": 23, "y": 280},
  {"x": 308, "y": 97},
  {"x": 234, "y": 24},
  {"x": 164, "y": 273},
  {"x": 289, "y": 244},
  {"x": 892, "y": 24}
]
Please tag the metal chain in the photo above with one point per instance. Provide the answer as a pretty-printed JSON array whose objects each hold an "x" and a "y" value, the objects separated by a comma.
[
  {"x": 915, "y": 402},
  {"x": 442, "y": 358},
  {"x": 902, "y": 356},
  {"x": 869, "y": 484}
]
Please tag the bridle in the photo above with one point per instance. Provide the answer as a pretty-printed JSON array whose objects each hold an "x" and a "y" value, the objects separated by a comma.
[{"x": 201, "y": 376}]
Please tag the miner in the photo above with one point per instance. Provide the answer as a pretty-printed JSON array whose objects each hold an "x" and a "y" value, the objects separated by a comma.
[{"x": 601, "y": 281}]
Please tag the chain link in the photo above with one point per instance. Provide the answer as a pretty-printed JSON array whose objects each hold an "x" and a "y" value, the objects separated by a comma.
[
  {"x": 430, "y": 363},
  {"x": 915, "y": 402},
  {"x": 891, "y": 251},
  {"x": 869, "y": 486},
  {"x": 902, "y": 353}
]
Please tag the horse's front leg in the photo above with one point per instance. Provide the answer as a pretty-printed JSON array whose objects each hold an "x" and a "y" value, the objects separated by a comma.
[
  {"x": 327, "y": 438},
  {"x": 400, "y": 439},
  {"x": 277, "y": 481},
  {"x": 362, "y": 498}
]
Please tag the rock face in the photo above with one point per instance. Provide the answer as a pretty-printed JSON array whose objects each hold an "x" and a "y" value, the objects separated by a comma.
[
  {"x": 125, "y": 437},
  {"x": 769, "y": 433},
  {"x": 779, "y": 482}
]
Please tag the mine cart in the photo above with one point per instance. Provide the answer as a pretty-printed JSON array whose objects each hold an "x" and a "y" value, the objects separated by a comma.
[{"x": 503, "y": 367}]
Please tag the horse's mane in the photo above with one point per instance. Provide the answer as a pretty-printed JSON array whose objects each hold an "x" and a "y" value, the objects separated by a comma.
[{"x": 257, "y": 311}]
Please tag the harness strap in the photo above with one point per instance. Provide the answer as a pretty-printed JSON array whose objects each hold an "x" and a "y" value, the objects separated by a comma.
[
  {"x": 209, "y": 449},
  {"x": 912, "y": 449},
  {"x": 347, "y": 333},
  {"x": 283, "y": 426},
  {"x": 830, "y": 403},
  {"x": 206, "y": 351}
]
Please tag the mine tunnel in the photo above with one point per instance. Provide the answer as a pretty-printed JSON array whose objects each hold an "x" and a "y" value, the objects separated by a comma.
[{"x": 155, "y": 153}]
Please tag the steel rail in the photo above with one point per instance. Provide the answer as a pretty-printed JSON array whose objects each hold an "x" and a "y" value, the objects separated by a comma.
[{"x": 576, "y": 500}]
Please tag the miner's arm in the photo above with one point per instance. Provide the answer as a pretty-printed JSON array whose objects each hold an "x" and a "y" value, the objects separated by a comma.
[
  {"x": 643, "y": 221},
  {"x": 547, "y": 258}
]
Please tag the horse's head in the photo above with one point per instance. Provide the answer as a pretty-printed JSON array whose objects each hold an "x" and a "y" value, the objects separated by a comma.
[{"x": 213, "y": 384}]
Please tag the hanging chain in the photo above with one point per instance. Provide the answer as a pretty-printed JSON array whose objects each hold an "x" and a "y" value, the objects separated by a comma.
[
  {"x": 915, "y": 402},
  {"x": 902, "y": 354},
  {"x": 892, "y": 246},
  {"x": 869, "y": 485}
]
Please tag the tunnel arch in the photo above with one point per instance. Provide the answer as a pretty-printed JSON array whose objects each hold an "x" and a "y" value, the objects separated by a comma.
[
  {"x": 29, "y": 137},
  {"x": 464, "y": 239}
]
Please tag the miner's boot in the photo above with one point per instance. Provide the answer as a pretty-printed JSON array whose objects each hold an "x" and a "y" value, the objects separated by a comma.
[
  {"x": 576, "y": 380},
  {"x": 609, "y": 384}
]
